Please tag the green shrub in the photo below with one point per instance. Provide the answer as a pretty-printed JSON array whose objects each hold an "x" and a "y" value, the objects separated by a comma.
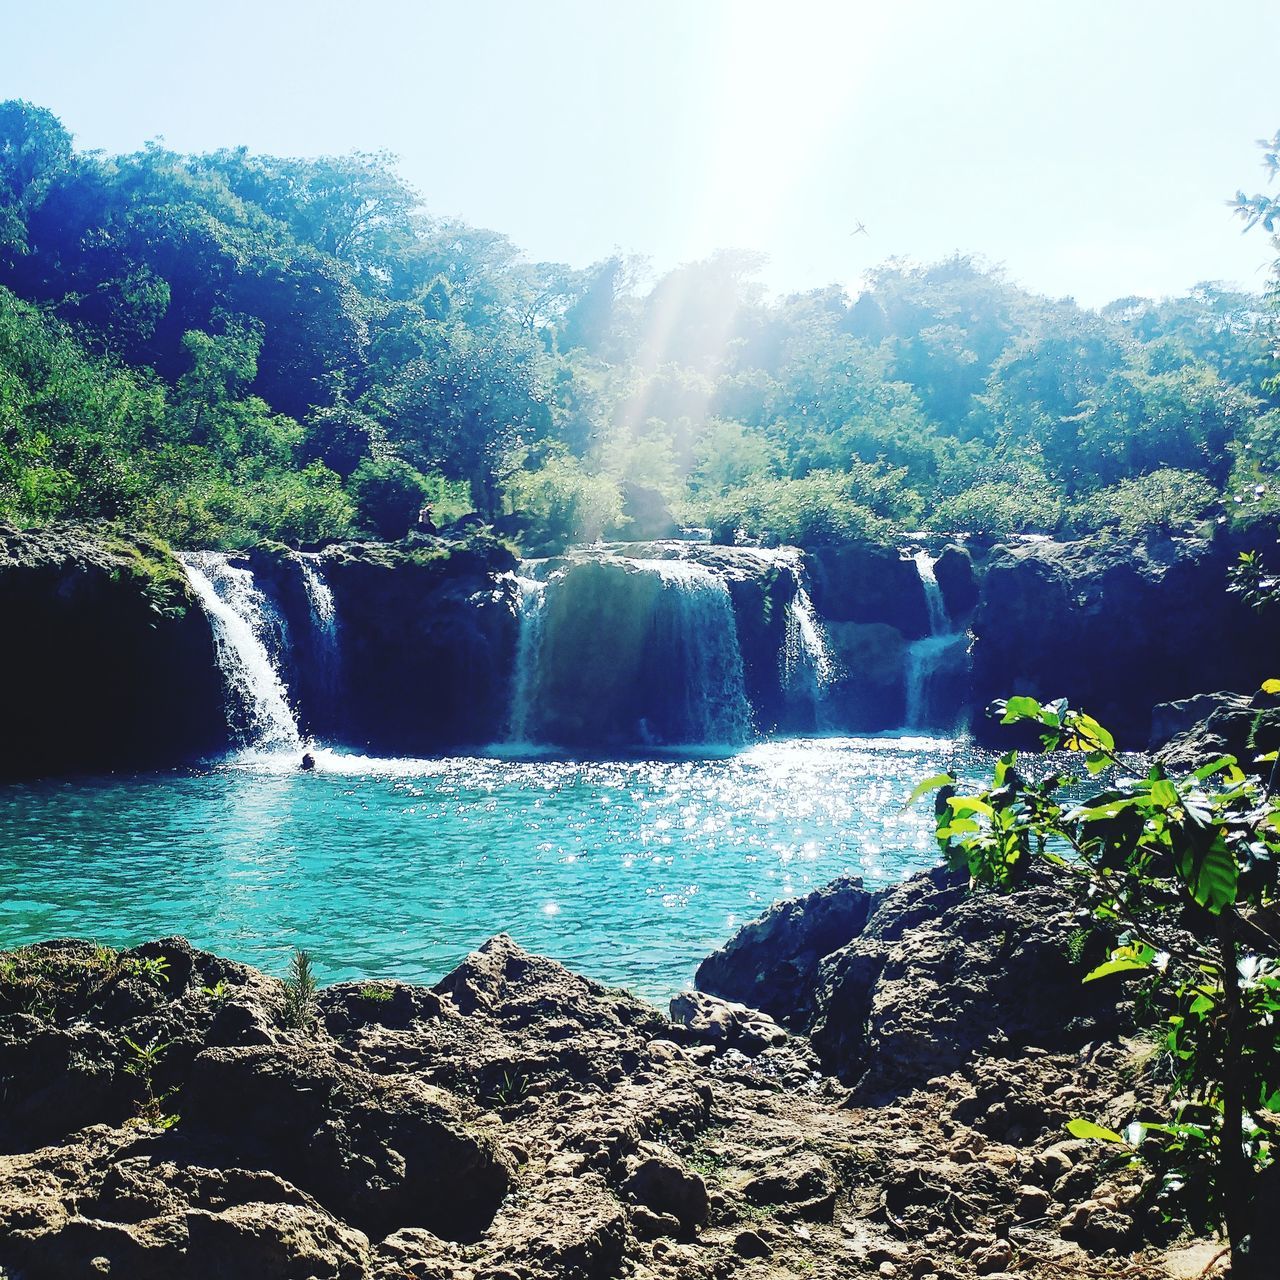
[
  {"x": 814, "y": 510},
  {"x": 564, "y": 502},
  {"x": 388, "y": 494},
  {"x": 1164, "y": 502}
]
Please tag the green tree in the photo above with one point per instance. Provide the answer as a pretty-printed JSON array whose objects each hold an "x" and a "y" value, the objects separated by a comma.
[
  {"x": 1182, "y": 872},
  {"x": 388, "y": 495}
]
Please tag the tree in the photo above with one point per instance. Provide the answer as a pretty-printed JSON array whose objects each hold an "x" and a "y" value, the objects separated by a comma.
[
  {"x": 388, "y": 496},
  {"x": 1182, "y": 872}
]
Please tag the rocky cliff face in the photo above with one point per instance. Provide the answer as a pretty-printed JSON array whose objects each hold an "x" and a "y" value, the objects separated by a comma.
[
  {"x": 428, "y": 639},
  {"x": 101, "y": 641},
  {"x": 1114, "y": 627},
  {"x": 162, "y": 1119}
]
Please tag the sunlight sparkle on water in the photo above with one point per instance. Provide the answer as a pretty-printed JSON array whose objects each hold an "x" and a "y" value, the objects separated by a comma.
[{"x": 629, "y": 871}]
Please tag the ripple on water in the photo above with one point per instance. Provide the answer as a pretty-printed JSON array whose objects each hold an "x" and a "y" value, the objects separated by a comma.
[{"x": 629, "y": 871}]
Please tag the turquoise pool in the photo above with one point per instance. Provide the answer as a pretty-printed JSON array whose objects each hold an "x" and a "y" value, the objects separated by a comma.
[{"x": 629, "y": 871}]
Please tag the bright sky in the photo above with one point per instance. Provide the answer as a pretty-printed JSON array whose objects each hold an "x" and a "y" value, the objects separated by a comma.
[{"x": 1089, "y": 146}]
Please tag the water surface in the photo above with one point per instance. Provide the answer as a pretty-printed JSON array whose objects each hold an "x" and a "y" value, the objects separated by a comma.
[{"x": 629, "y": 871}]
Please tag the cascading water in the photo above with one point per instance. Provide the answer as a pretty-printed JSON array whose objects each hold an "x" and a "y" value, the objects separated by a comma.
[
  {"x": 324, "y": 621},
  {"x": 630, "y": 651},
  {"x": 807, "y": 665},
  {"x": 533, "y": 603},
  {"x": 699, "y": 611},
  {"x": 925, "y": 657},
  {"x": 242, "y": 621}
]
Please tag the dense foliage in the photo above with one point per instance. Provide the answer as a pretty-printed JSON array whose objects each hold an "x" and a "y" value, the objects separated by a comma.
[
  {"x": 227, "y": 347},
  {"x": 1181, "y": 873}
]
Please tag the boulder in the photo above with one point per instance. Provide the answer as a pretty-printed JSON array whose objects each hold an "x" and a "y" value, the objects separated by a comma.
[
  {"x": 957, "y": 580},
  {"x": 428, "y": 634},
  {"x": 381, "y": 1152},
  {"x": 662, "y": 1184},
  {"x": 772, "y": 963},
  {"x": 1195, "y": 731},
  {"x": 863, "y": 582}
]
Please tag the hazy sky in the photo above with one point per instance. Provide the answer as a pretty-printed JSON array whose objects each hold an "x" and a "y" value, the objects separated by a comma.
[{"x": 1090, "y": 147}]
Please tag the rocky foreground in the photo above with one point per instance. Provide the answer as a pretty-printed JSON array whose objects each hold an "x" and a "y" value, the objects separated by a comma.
[{"x": 160, "y": 1117}]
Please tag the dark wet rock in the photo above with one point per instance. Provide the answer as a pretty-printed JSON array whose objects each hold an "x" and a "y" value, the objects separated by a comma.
[
  {"x": 1197, "y": 731},
  {"x": 957, "y": 580},
  {"x": 1114, "y": 627},
  {"x": 929, "y": 975},
  {"x": 772, "y": 963},
  {"x": 428, "y": 633},
  {"x": 863, "y": 582},
  {"x": 102, "y": 638}
]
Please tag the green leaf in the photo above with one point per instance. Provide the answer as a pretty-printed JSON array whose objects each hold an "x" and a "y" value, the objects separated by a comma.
[
  {"x": 1208, "y": 770},
  {"x": 1213, "y": 880},
  {"x": 969, "y": 804},
  {"x": 1108, "y": 810},
  {"x": 1089, "y": 1131},
  {"x": 1126, "y": 965},
  {"x": 929, "y": 784},
  {"x": 1164, "y": 794},
  {"x": 1016, "y": 709}
]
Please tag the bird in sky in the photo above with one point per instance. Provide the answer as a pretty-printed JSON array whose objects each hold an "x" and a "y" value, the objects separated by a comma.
[{"x": 860, "y": 230}]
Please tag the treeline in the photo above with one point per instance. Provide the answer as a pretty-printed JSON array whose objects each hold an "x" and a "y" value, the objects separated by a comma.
[{"x": 228, "y": 347}]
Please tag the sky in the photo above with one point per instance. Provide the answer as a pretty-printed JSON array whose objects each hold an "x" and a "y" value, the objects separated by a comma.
[{"x": 1090, "y": 148}]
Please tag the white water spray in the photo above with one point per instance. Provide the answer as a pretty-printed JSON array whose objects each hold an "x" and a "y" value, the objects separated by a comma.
[
  {"x": 926, "y": 656},
  {"x": 700, "y": 611},
  {"x": 533, "y": 606},
  {"x": 324, "y": 618},
  {"x": 240, "y": 617}
]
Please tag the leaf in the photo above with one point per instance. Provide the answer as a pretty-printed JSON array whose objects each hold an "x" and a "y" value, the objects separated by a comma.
[
  {"x": 929, "y": 784},
  {"x": 1106, "y": 810},
  {"x": 969, "y": 804},
  {"x": 1208, "y": 770},
  {"x": 1213, "y": 881},
  {"x": 1089, "y": 1131},
  {"x": 1016, "y": 709},
  {"x": 1271, "y": 686},
  {"x": 1125, "y": 965}
]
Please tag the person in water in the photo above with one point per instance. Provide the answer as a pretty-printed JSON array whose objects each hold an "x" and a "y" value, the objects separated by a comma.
[{"x": 308, "y": 760}]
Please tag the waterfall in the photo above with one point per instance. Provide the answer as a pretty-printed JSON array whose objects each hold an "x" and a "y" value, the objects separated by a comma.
[
  {"x": 807, "y": 666},
  {"x": 324, "y": 620},
  {"x": 629, "y": 651},
  {"x": 699, "y": 610},
  {"x": 925, "y": 657},
  {"x": 533, "y": 602},
  {"x": 243, "y": 621}
]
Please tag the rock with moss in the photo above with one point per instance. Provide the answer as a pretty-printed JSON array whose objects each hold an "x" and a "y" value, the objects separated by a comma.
[{"x": 102, "y": 640}]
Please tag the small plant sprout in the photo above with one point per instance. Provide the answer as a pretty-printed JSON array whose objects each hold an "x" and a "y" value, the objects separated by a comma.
[
  {"x": 300, "y": 992},
  {"x": 142, "y": 1065},
  {"x": 155, "y": 969}
]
